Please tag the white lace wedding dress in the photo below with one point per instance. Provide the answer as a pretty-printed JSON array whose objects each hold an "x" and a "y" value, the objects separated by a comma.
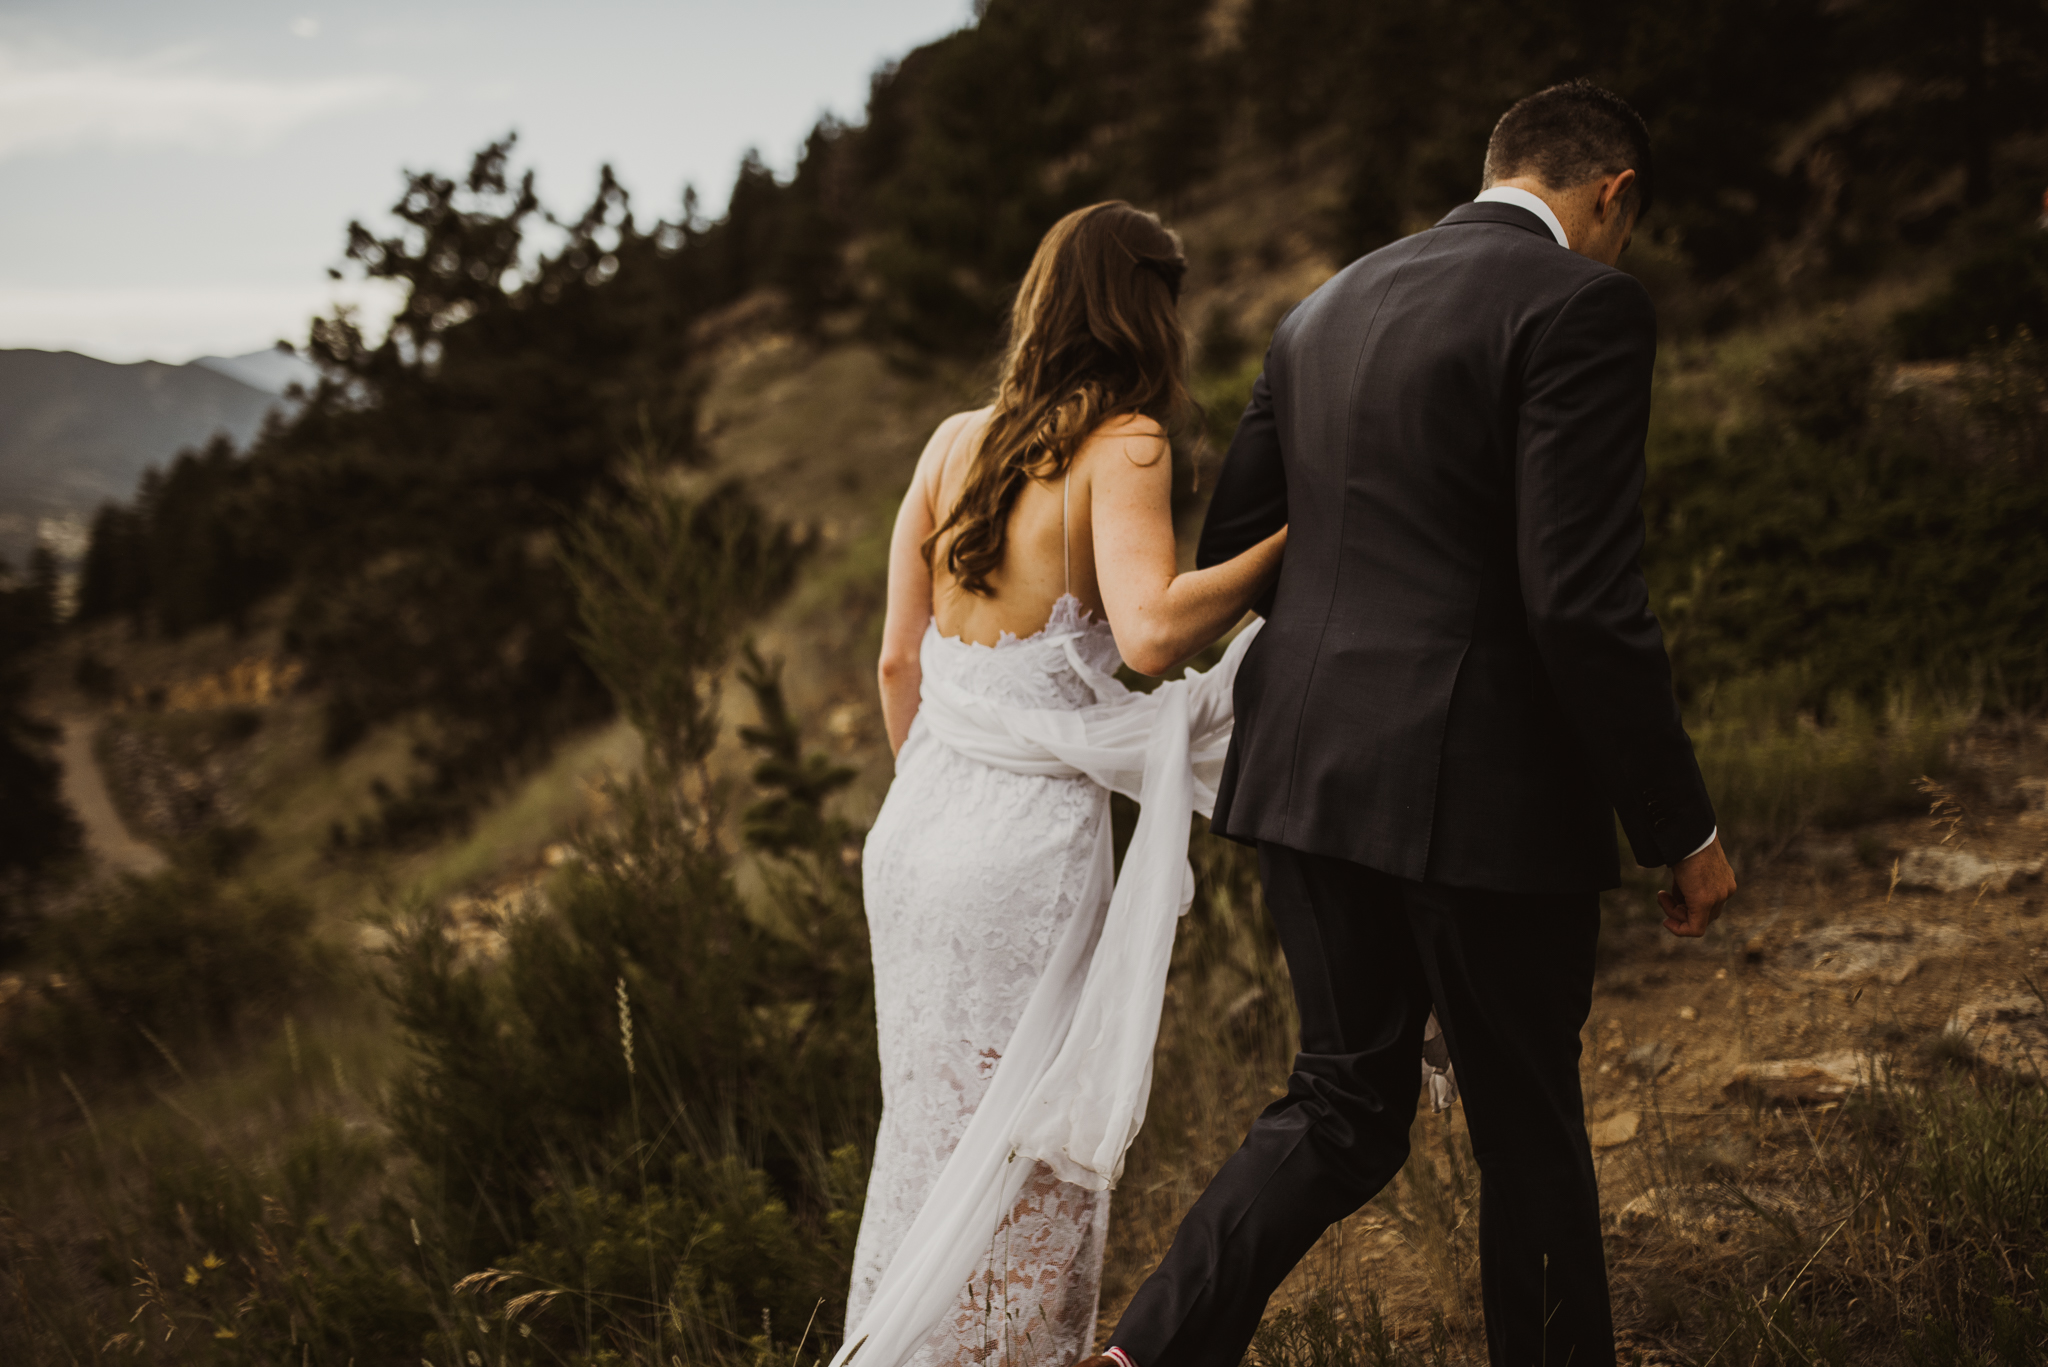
[
  {"x": 1017, "y": 992},
  {"x": 972, "y": 875}
]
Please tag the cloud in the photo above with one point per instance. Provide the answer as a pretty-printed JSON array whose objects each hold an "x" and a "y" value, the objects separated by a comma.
[{"x": 61, "y": 103}]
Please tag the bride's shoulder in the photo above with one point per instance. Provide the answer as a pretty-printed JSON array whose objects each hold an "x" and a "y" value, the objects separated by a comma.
[
  {"x": 965, "y": 423},
  {"x": 955, "y": 434},
  {"x": 1135, "y": 438},
  {"x": 1125, "y": 426},
  {"x": 950, "y": 440}
]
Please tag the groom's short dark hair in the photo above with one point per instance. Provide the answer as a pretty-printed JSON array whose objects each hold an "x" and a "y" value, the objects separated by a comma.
[{"x": 1569, "y": 134}]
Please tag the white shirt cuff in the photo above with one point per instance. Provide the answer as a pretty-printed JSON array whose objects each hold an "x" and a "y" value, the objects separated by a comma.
[{"x": 1711, "y": 838}]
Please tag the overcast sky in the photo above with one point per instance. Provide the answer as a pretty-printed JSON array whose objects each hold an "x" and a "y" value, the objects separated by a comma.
[{"x": 177, "y": 175}]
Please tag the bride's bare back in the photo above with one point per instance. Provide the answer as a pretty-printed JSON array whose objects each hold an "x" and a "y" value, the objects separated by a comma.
[
  {"x": 1050, "y": 549},
  {"x": 1103, "y": 532}
]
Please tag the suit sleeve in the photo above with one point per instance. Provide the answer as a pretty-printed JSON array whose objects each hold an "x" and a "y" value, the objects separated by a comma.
[
  {"x": 1250, "y": 503},
  {"x": 1579, "y": 539}
]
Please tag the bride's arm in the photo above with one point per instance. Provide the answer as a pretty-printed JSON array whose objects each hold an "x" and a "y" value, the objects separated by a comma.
[
  {"x": 910, "y": 588},
  {"x": 1161, "y": 617}
]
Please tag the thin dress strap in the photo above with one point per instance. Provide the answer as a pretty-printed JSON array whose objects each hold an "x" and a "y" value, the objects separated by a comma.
[{"x": 1066, "y": 549}]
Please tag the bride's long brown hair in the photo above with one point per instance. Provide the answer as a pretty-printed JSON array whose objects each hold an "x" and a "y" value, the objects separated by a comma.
[{"x": 1094, "y": 334}]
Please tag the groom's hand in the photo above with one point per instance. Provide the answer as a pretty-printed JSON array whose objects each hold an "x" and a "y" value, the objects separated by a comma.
[{"x": 1700, "y": 884}]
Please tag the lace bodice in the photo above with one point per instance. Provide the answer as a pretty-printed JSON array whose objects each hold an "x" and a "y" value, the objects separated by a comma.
[
  {"x": 1027, "y": 671},
  {"x": 971, "y": 873}
]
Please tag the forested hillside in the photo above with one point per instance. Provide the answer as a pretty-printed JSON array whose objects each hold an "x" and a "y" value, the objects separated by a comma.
[
  {"x": 607, "y": 464},
  {"x": 1805, "y": 150}
]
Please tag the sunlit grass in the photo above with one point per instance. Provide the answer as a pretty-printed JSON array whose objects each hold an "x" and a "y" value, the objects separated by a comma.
[
  {"x": 1777, "y": 771},
  {"x": 515, "y": 830}
]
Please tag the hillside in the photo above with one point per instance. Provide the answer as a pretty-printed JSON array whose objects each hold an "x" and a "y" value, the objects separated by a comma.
[
  {"x": 507, "y": 721},
  {"x": 76, "y": 432},
  {"x": 1709, "y": 1068}
]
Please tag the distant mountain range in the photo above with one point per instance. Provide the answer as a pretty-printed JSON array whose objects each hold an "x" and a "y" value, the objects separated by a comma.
[
  {"x": 76, "y": 432},
  {"x": 273, "y": 371}
]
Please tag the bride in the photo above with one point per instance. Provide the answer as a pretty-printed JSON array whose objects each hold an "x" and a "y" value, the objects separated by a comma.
[{"x": 1017, "y": 1000}]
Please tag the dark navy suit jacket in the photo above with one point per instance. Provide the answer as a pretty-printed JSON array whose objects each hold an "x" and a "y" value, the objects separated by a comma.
[{"x": 1459, "y": 678}]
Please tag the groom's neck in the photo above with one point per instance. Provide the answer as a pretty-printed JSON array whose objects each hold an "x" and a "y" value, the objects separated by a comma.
[
  {"x": 1574, "y": 217},
  {"x": 1578, "y": 210}
]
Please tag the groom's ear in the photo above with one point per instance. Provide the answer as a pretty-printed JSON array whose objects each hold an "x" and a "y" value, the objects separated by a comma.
[{"x": 1618, "y": 193}]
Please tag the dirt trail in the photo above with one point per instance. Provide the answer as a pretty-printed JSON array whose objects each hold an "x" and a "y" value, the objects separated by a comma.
[{"x": 86, "y": 790}]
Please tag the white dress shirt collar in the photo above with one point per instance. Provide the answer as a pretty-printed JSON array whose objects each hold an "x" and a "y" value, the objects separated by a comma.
[{"x": 1522, "y": 199}]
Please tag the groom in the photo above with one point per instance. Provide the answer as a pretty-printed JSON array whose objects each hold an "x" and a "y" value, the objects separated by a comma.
[{"x": 1458, "y": 686}]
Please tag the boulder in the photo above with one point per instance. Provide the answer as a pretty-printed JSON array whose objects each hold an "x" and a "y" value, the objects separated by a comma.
[
  {"x": 2005, "y": 1030},
  {"x": 1712, "y": 1211},
  {"x": 1615, "y": 1130},
  {"x": 1650, "y": 1059},
  {"x": 1806, "y": 1081},
  {"x": 1885, "y": 947},
  {"x": 1940, "y": 869}
]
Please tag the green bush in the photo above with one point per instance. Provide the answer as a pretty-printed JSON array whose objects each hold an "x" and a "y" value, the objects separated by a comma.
[
  {"x": 219, "y": 1251},
  {"x": 1777, "y": 769},
  {"x": 1995, "y": 293},
  {"x": 704, "y": 1262},
  {"x": 305, "y": 1295},
  {"x": 38, "y": 833},
  {"x": 1870, "y": 551},
  {"x": 651, "y": 1020},
  {"x": 187, "y": 956},
  {"x": 1824, "y": 391},
  {"x": 520, "y": 1071}
]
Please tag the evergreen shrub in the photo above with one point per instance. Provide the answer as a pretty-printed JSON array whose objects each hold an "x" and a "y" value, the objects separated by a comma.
[
  {"x": 190, "y": 956},
  {"x": 645, "y": 1123}
]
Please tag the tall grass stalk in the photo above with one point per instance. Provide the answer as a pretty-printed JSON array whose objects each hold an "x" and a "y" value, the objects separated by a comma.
[{"x": 639, "y": 1154}]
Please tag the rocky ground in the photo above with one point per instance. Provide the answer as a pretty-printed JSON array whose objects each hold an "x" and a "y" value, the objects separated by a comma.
[{"x": 1715, "y": 1069}]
